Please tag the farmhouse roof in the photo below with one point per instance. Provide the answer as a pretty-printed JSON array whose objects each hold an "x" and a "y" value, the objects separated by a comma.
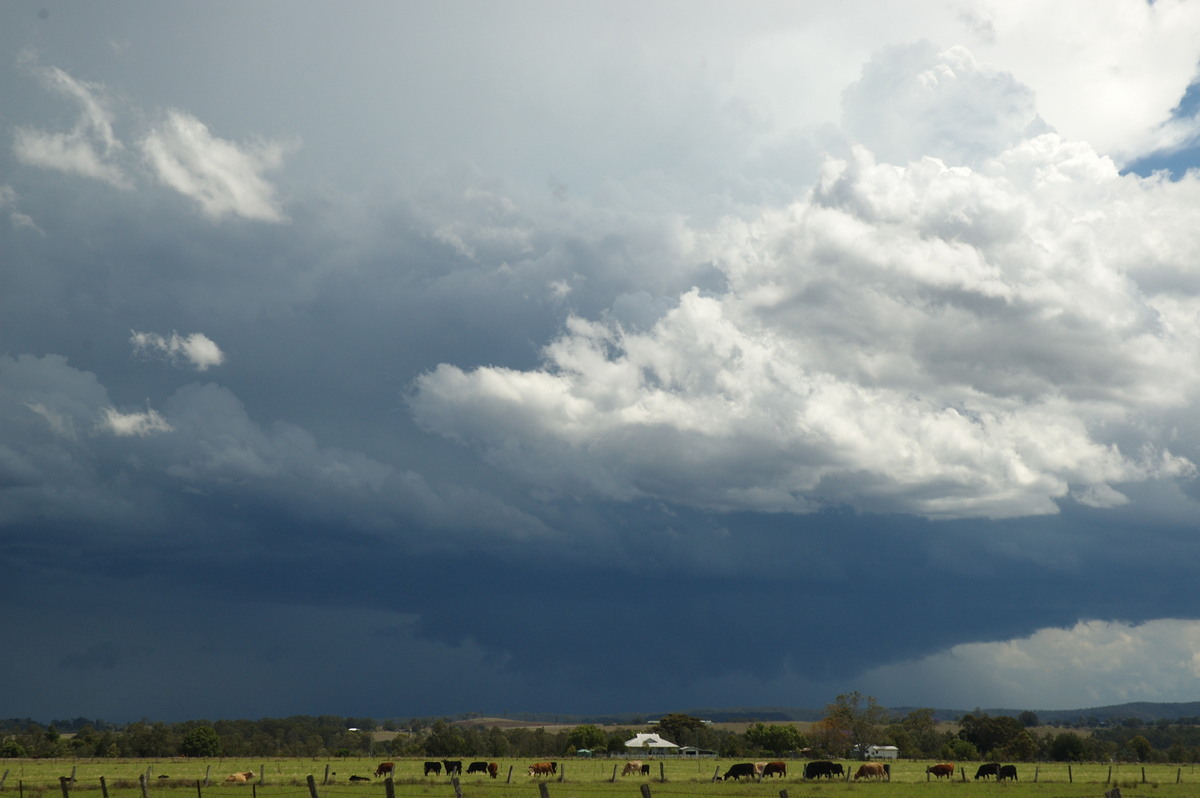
[{"x": 647, "y": 740}]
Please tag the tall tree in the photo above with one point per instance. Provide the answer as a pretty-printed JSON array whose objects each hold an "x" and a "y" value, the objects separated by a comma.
[
  {"x": 202, "y": 741},
  {"x": 851, "y": 723}
]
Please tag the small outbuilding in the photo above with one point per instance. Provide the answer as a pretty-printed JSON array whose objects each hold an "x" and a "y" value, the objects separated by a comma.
[
  {"x": 883, "y": 752},
  {"x": 693, "y": 751}
]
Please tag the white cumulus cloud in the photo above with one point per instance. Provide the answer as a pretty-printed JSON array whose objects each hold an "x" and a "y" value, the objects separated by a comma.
[
  {"x": 937, "y": 340},
  {"x": 1093, "y": 662},
  {"x": 133, "y": 424},
  {"x": 224, "y": 178},
  {"x": 196, "y": 349},
  {"x": 90, "y": 148}
]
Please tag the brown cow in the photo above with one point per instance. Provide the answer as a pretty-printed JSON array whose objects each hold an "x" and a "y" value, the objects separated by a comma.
[
  {"x": 493, "y": 769},
  {"x": 542, "y": 769},
  {"x": 385, "y": 769},
  {"x": 240, "y": 778},
  {"x": 775, "y": 769},
  {"x": 942, "y": 770},
  {"x": 633, "y": 768},
  {"x": 870, "y": 770}
]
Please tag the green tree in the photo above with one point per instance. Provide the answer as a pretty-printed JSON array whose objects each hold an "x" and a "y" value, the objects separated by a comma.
[
  {"x": 1141, "y": 748},
  {"x": 775, "y": 739},
  {"x": 916, "y": 735},
  {"x": 1067, "y": 747},
  {"x": 11, "y": 749},
  {"x": 676, "y": 724},
  {"x": 589, "y": 736},
  {"x": 1000, "y": 737},
  {"x": 1028, "y": 719},
  {"x": 202, "y": 741},
  {"x": 444, "y": 740}
]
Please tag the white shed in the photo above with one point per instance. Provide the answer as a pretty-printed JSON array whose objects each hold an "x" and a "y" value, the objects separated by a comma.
[{"x": 883, "y": 752}]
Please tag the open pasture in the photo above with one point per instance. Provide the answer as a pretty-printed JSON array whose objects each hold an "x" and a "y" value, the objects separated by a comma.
[{"x": 582, "y": 778}]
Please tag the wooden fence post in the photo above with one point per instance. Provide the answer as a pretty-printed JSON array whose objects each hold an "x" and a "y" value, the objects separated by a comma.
[
  {"x": 1070, "y": 777},
  {"x": 145, "y": 789},
  {"x": 103, "y": 787},
  {"x": 1178, "y": 775},
  {"x": 612, "y": 780},
  {"x": 783, "y": 794},
  {"x": 717, "y": 773},
  {"x": 1143, "y": 774},
  {"x": 72, "y": 774},
  {"x": 262, "y": 775},
  {"x": 3, "y": 778},
  {"x": 312, "y": 786},
  {"x": 326, "y": 780},
  {"x": 457, "y": 786},
  {"x": 1036, "y": 770},
  {"x": 562, "y": 772},
  {"x": 1108, "y": 778},
  {"x": 198, "y": 793},
  {"x": 207, "y": 773},
  {"x": 544, "y": 789},
  {"x": 389, "y": 787},
  {"x": 509, "y": 779},
  {"x": 64, "y": 783},
  {"x": 645, "y": 790}
]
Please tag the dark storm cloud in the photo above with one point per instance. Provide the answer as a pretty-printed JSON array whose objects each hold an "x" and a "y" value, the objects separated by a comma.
[{"x": 486, "y": 365}]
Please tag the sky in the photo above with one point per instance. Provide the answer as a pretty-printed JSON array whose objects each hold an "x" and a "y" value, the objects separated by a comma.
[{"x": 400, "y": 359}]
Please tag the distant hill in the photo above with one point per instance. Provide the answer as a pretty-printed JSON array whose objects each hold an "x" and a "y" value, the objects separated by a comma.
[{"x": 1145, "y": 711}]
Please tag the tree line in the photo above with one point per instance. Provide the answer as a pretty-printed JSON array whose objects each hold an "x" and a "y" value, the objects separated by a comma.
[{"x": 849, "y": 725}]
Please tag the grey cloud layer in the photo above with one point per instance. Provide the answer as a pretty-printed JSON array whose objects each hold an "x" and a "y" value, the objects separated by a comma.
[{"x": 534, "y": 319}]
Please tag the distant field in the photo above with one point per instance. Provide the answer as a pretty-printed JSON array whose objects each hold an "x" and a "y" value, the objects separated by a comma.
[{"x": 583, "y": 778}]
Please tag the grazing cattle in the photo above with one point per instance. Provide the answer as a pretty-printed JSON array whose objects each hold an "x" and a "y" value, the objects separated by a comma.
[
  {"x": 774, "y": 769},
  {"x": 477, "y": 767},
  {"x": 240, "y": 778},
  {"x": 987, "y": 770},
  {"x": 871, "y": 770},
  {"x": 493, "y": 769},
  {"x": 452, "y": 766},
  {"x": 433, "y": 767},
  {"x": 943, "y": 770},
  {"x": 645, "y": 770},
  {"x": 385, "y": 769},
  {"x": 542, "y": 768},
  {"x": 632, "y": 768},
  {"x": 1008, "y": 772},
  {"x": 736, "y": 772},
  {"x": 823, "y": 768},
  {"x": 359, "y": 778}
]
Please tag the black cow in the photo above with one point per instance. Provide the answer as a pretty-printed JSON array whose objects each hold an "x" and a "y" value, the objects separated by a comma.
[
  {"x": 452, "y": 766},
  {"x": 645, "y": 770},
  {"x": 477, "y": 767},
  {"x": 1008, "y": 772},
  {"x": 742, "y": 769},
  {"x": 987, "y": 770},
  {"x": 433, "y": 767},
  {"x": 823, "y": 768}
]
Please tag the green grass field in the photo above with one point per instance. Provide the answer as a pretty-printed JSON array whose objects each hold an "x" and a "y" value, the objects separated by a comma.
[{"x": 582, "y": 778}]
